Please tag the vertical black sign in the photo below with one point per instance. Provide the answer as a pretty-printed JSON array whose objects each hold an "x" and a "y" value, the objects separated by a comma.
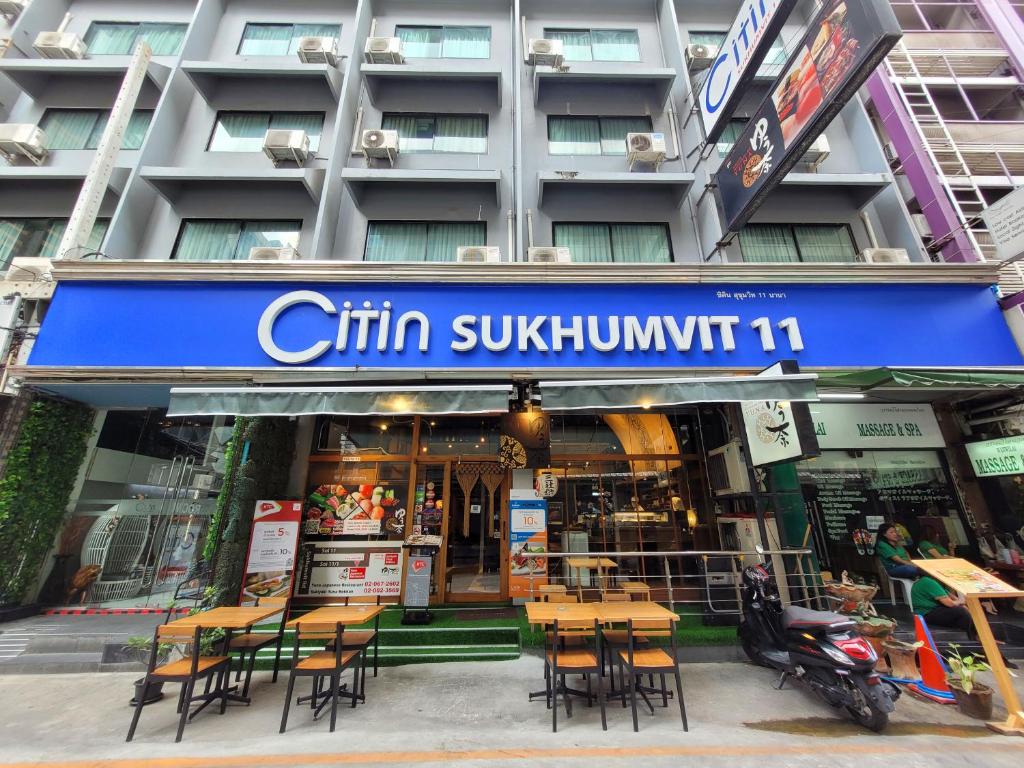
[{"x": 525, "y": 440}]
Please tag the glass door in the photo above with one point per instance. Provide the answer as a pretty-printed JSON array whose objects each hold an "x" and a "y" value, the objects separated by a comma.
[
  {"x": 430, "y": 497},
  {"x": 476, "y": 560}
]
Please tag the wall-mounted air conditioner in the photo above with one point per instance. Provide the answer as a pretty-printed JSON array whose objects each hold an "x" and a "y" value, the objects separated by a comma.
[
  {"x": 546, "y": 255},
  {"x": 318, "y": 50},
  {"x": 22, "y": 140},
  {"x": 727, "y": 470},
  {"x": 924, "y": 229},
  {"x": 817, "y": 153},
  {"x": 546, "y": 53},
  {"x": 699, "y": 56},
  {"x": 645, "y": 148},
  {"x": 884, "y": 256},
  {"x": 380, "y": 143},
  {"x": 265, "y": 253},
  {"x": 286, "y": 146},
  {"x": 478, "y": 254},
  {"x": 59, "y": 45},
  {"x": 383, "y": 50},
  {"x": 12, "y": 8}
]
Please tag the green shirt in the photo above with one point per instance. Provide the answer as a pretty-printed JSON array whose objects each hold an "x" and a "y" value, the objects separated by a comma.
[
  {"x": 887, "y": 552},
  {"x": 925, "y": 546},
  {"x": 925, "y": 594}
]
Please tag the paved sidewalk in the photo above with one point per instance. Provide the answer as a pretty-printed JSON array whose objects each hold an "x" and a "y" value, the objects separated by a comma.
[{"x": 477, "y": 714}]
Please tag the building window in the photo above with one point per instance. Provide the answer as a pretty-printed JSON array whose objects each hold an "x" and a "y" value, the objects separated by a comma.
[
  {"x": 773, "y": 62},
  {"x": 438, "y": 133},
  {"x": 622, "y": 243},
  {"x": 445, "y": 42},
  {"x": 797, "y": 242},
  {"x": 421, "y": 240},
  {"x": 40, "y": 237},
  {"x": 119, "y": 38},
  {"x": 83, "y": 128},
  {"x": 221, "y": 240},
  {"x": 281, "y": 39},
  {"x": 730, "y": 134},
  {"x": 597, "y": 44},
  {"x": 245, "y": 131},
  {"x": 593, "y": 135}
]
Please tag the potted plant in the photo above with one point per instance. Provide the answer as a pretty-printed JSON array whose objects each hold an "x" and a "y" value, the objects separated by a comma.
[
  {"x": 974, "y": 699},
  {"x": 138, "y": 649}
]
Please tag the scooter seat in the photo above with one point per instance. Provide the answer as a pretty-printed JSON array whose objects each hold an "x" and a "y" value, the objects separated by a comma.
[{"x": 795, "y": 617}]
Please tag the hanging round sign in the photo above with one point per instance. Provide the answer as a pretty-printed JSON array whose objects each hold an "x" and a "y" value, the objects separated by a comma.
[{"x": 546, "y": 485}]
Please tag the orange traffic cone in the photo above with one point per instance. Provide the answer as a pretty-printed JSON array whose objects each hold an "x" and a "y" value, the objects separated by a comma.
[{"x": 933, "y": 685}]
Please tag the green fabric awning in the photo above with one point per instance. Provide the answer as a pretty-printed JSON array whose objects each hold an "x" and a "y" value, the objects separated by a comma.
[{"x": 923, "y": 379}]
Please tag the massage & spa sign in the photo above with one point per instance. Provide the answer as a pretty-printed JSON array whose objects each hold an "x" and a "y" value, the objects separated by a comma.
[
  {"x": 992, "y": 458},
  {"x": 550, "y": 326}
]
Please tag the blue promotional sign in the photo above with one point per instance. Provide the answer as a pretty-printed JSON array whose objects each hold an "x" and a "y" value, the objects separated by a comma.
[{"x": 520, "y": 327}]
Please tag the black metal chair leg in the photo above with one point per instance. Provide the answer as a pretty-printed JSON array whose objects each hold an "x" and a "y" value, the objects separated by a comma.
[
  {"x": 181, "y": 699},
  {"x": 184, "y": 710},
  {"x": 248, "y": 673},
  {"x": 222, "y": 687},
  {"x": 590, "y": 696},
  {"x": 335, "y": 685},
  {"x": 633, "y": 682},
  {"x": 287, "y": 702},
  {"x": 664, "y": 692},
  {"x": 376, "y": 652},
  {"x": 277, "y": 657},
  {"x": 356, "y": 688},
  {"x": 682, "y": 704},
  {"x": 554, "y": 702},
  {"x": 138, "y": 711},
  {"x": 601, "y": 702},
  {"x": 622, "y": 682}
]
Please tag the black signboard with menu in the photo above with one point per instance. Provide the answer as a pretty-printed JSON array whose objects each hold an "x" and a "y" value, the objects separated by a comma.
[{"x": 842, "y": 46}]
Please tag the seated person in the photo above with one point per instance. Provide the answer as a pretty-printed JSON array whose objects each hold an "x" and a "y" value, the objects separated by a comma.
[
  {"x": 930, "y": 599},
  {"x": 894, "y": 556},
  {"x": 929, "y": 546}
]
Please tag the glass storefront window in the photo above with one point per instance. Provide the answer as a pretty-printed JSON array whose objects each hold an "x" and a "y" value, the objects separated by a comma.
[
  {"x": 467, "y": 437},
  {"x": 389, "y": 436}
]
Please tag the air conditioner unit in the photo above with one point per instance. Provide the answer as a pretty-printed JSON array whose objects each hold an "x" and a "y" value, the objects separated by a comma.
[
  {"x": 545, "y": 255},
  {"x": 921, "y": 225},
  {"x": 891, "y": 155},
  {"x": 478, "y": 254},
  {"x": 265, "y": 253},
  {"x": 379, "y": 143},
  {"x": 12, "y": 8},
  {"x": 22, "y": 139},
  {"x": 546, "y": 53},
  {"x": 727, "y": 470},
  {"x": 284, "y": 145},
  {"x": 700, "y": 56},
  {"x": 645, "y": 148},
  {"x": 884, "y": 256},
  {"x": 59, "y": 45},
  {"x": 384, "y": 50},
  {"x": 817, "y": 153},
  {"x": 318, "y": 50},
  {"x": 29, "y": 269}
]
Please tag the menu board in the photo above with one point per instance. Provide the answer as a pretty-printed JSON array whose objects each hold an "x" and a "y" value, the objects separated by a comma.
[
  {"x": 367, "y": 509},
  {"x": 528, "y": 538},
  {"x": 271, "y": 557},
  {"x": 331, "y": 569}
]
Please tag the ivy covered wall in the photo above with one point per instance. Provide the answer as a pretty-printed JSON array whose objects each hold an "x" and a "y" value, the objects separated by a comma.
[{"x": 35, "y": 490}]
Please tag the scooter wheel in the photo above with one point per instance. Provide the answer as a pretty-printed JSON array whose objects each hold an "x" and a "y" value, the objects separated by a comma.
[
  {"x": 873, "y": 719},
  {"x": 753, "y": 652}
]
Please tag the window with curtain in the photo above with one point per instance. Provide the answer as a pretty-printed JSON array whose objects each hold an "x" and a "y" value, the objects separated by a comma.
[
  {"x": 597, "y": 44},
  {"x": 773, "y": 62},
  {"x": 245, "y": 131},
  {"x": 438, "y": 133},
  {"x": 40, "y": 237},
  {"x": 83, "y": 128},
  {"x": 228, "y": 240},
  {"x": 119, "y": 38},
  {"x": 593, "y": 135},
  {"x": 421, "y": 240},
  {"x": 797, "y": 242},
  {"x": 420, "y": 42},
  {"x": 730, "y": 135},
  {"x": 281, "y": 39},
  {"x": 620, "y": 243}
]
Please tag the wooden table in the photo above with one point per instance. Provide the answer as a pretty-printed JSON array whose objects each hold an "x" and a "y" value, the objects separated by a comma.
[
  {"x": 341, "y": 614},
  {"x": 230, "y": 619},
  {"x": 620, "y": 613},
  {"x": 633, "y": 588},
  {"x": 544, "y": 613},
  {"x": 600, "y": 564}
]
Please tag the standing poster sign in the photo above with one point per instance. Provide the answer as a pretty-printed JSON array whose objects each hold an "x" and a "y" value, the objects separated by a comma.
[
  {"x": 270, "y": 562},
  {"x": 331, "y": 569},
  {"x": 528, "y": 537}
]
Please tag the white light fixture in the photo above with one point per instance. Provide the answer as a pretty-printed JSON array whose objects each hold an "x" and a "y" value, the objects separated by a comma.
[{"x": 841, "y": 395}]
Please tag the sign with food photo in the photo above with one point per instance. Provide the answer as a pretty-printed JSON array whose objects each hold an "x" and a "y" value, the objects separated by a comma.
[
  {"x": 270, "y": 560},
  {"x": 842, "y": 45},
  {"x": 364, "y": 510}
]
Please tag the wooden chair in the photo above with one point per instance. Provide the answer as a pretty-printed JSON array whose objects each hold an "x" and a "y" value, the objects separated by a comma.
[
  {"x": 320, "y": 665},
  {"x": 638, "y": 662},
  {"x": 560, "y": 661},
  {"x": 615, "y": 597},
  {"x": 637, "y": 590},
  {"x": 251, "y": 642},
  {"x": 187, "y": 671},
  {"x": 555, "y": 597},
  {"x": 548, "y": 589},
  {"x": 643, "y": 631}
]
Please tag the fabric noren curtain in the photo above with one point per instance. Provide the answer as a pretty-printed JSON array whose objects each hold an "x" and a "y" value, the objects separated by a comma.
[
  {"x": 640, "y": 243},
  {"x": 575, "y": 43},
  {"x": 444, "y": 239},
  {"x": 588, "y": 242},
  {"x": 421, "y": 42},
  {"x": 615, "y": 45},
  {"x": 614, "y": 130},
  {"x": 466, "y": 43},
  {"x": 574, "y": 136},
  {"x": 824, "y": 242},
  {"x": 767, "y": 242}
]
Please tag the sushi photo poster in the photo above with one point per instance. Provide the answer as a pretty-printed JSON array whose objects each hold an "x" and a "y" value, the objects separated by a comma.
[{"x": 270, "y": 562}]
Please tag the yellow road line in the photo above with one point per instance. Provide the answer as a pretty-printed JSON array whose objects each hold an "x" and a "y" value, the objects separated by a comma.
[{"x": 373, "y": 758}]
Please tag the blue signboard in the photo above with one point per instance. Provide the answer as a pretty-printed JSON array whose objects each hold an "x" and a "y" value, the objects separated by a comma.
[{"x": 519, "y": 327}]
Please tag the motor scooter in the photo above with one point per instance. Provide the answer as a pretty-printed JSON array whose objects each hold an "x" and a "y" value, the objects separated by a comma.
[{"x": 819, "y": 648}]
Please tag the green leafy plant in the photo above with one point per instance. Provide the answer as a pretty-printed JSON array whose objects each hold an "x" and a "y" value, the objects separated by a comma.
[
  {"x": 141, "y": 645},
  {"x": 963, "y": 669},
  {"x": 36, "y": 488}
]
